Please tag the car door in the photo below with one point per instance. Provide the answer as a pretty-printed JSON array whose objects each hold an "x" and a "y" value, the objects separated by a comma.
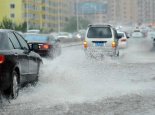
[
  {"x": 20, "y": 55},
  {"x": 32, "y": 58}
]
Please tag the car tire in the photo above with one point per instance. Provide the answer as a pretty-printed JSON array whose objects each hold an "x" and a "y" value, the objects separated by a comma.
[{"x": 14, "y": 88}]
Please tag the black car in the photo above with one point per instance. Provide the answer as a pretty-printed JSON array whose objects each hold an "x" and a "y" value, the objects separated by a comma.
[
  {"x": 18, "y": 63},
  {"x": 47, "y": 45}
]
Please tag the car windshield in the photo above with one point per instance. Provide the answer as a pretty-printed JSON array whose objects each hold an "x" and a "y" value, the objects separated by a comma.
[
  {"x": 99, "y": 32},
  {"x": 36, "y": 38}
]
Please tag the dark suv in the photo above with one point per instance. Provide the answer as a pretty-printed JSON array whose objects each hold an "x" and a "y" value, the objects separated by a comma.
[{"x": 18, "y": 63}]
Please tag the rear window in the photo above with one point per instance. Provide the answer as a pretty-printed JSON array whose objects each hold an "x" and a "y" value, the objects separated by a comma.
[
  {"x": 4, "y": 45},
  {"x": 121, "y": 34},
  {"x": 36, "y": 38},
  {"x": 99, "y": 32}
]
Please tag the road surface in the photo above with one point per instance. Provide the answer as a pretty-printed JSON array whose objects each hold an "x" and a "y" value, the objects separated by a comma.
[{"x": 72, "y": 84}]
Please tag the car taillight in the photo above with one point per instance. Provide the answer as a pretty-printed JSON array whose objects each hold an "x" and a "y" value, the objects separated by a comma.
[
  {"x": 45, "y": 46},
  {"x": 2, "y": 59},
  {"x": 113, "y": 44},
  {"x": 123, "y": 40},
  {"x": 85, "y": 44}
]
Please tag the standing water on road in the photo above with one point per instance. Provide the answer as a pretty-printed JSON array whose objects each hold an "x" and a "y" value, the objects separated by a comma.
[{"x": 72, "y": 78}]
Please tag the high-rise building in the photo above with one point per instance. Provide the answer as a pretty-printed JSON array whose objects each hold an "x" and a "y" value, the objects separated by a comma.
[
  {"x": 92, "y": 10},
  {"x": 11, "y": 9},
  {"x": 122, "y": 11},
  {"x": 146, "y": 11},
  {"x": 39, "y": 14}
]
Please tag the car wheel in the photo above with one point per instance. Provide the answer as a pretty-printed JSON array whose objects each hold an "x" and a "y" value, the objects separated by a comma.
[{"x": 14, "y": 85}]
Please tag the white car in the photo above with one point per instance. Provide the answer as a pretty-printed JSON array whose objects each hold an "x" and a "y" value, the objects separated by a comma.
[
  {"x": 101, "y": 39},
  {"x": 123, "y": 40},
  {"x": 64, "y": 35},
  {"x": 137, "y": 34}
]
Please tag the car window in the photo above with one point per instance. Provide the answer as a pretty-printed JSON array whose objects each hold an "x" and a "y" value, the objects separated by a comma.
[
  {"x": 10, "y": 44},
  {"x": 121, "y": 34},
  {"x": 22, "y": 41},
  {"x": 14, "y": 40},
  {"x": 3, "y": 42},
  {"x": 99, "y": 32}
]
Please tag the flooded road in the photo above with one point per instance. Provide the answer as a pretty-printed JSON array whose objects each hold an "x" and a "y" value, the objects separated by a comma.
[{"x": 72, "y": 84}]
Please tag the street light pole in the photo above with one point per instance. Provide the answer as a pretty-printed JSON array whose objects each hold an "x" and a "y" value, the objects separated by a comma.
[
  {"x": 95, "y": 13},
  {"x": 58, "y": 15},
  {"x": 27, "y": 20},
  {"x": 77, "y": 15},
  {"x": 27, "y": 16}
]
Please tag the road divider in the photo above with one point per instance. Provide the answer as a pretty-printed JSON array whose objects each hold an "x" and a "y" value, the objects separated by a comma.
[{"x": 70, "y": 42}]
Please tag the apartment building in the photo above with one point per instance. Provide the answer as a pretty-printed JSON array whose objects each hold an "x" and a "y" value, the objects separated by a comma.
[
  {"x": 122, "y": 11},
  {"x": 92, "y": 10},
  {"x": 11, "y": 9},
  {"x": 146, "y": 11},
  {"x": 39, "y": 14}
]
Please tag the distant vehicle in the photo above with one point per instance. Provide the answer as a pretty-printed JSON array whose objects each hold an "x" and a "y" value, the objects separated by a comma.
[
  {"x": 102, "y": 39},
  {"x": 123, "y": 41},
  {"x": 55, "y": 34},
  {"x": 79, "y": 35},
  {"x": 18, "y": 63},
  {"x": 47, "y": 45},
  {"x": 64, "y": 35},
  {"x": 137, "y": 34}
]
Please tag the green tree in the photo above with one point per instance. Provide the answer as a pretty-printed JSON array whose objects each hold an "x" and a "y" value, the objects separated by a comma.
[
  {"x": 7, "y": 24},
  {"x": 71, "y": 26},
  {"x": 21, "y": 27}
]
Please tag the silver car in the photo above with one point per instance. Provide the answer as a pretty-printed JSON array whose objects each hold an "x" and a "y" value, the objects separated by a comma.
[{"x": 101, "y": 40}]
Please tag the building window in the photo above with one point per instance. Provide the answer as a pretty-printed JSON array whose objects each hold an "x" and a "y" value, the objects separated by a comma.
[
  {"x": 12, "y": 15},
  {"x": 12, "y": 6}
]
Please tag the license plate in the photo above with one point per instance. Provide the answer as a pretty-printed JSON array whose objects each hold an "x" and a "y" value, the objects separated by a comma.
[{"x": 99, "y": 44}]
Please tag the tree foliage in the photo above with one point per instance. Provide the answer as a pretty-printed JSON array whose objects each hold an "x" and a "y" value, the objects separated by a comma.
[{"x": 9, "y": 24}]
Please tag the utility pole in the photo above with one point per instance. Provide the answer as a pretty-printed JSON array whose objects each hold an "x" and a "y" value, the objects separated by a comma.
[
  {"x": 77, "y": 15},
  {"x": 58, "y": 15},
  {"x": 27, "y": 16}
]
